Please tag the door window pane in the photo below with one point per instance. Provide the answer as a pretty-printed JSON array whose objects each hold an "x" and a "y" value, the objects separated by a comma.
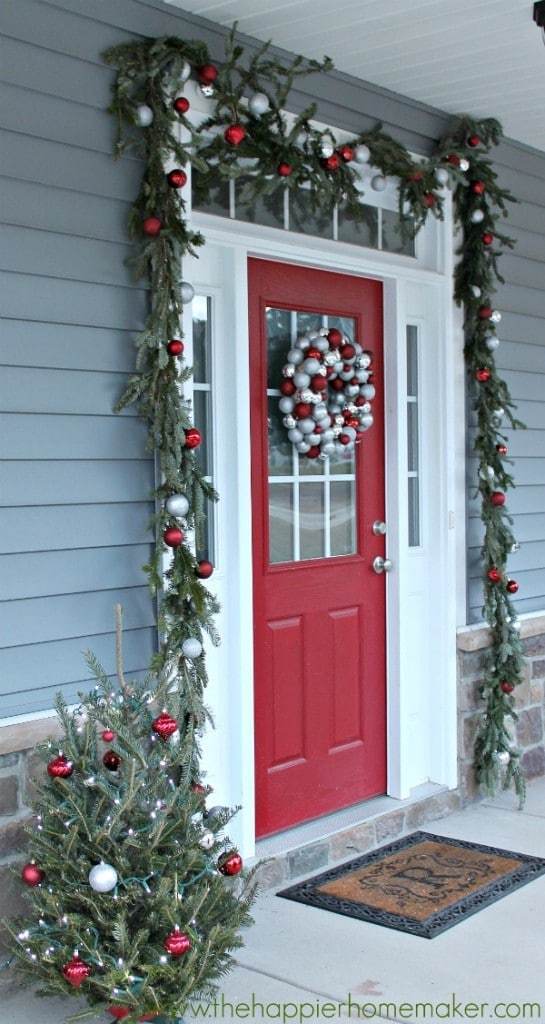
[
  {"x": 343, "y": 523},
  {"x": 280, "y": 523},
  {"x": 201, "y": 310},
  {"x": 311, "y": 521}
]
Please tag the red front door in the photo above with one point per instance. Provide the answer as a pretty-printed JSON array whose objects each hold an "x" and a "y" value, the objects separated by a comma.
[{"x": 319, "y": 608}]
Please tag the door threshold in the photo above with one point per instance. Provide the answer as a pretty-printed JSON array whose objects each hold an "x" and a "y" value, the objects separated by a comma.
[{"x": 344, "y": 834}]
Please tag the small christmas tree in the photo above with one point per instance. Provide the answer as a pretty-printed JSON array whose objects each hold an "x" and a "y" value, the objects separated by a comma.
[{"x": 137, "y": 897}]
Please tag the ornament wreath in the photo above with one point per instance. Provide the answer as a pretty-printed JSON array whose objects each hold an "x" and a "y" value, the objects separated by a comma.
[{"x": 247, "y": 128}]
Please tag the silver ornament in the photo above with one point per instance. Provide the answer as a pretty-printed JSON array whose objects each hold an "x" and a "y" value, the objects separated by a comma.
[
  {"x": 328, "y": 449},
  {"x": 379, "y": 183},
  {"x": 464, "y": 165},
  {"x": 504, "y": 757},
  {"x": 303, "y": 447},
  {"x": 324, "y": 331},
  {"x": 367, "y": 421},
  {"x": 487, "y": 473},
  {"x": 289, "y": 422},
  {"x": 207, "y": 90},
  {"x": 311, "y": 366},
  {"x": 477, "y": 216},
  {"x": 144, "y": 115},
  {"x": 306, "y": 426},
  {"x": 103, "y": 877},
  {"x": 295, "y": 436},
  {"x": 185, "y": 71},
  {"x": 515, "y": 546},
  {"x": 288, "y": 371},
  {"x": 286, "y": 404},
  {"x": 177, "y": 505},
  {"x": 192, "y": 648},
  {"x": 295, "y": 356},
  {"x": 476, "y": 291},
  {"x": 327, "y": 148},
  {"x": 496, "y": 316},
  {"x": 305, "y": 395},
  {"x": 330, "y": 359},
  {"x": 362, "y": 154},
  {"x": 313, "y": 438},
  {"x": 207, "y": 840},
  {"x": 368, "y": 391},
  {"x": 442, "y": 176},
  {"x": 498, "y": 414},
  {"x": 259, "y": 104},
  {"x": 492, "y": 343},
  {"x": 300, "y": 379},
  {"x": 90, "y": 781},
  {"x": 187, "y": 292}
]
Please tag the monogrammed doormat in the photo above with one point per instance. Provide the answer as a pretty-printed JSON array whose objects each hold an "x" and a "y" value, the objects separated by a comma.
[{"x": 422, "y": 884}]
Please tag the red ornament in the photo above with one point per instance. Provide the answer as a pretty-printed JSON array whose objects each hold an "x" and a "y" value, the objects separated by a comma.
[
  {"x": 344, "y": 439},
  {"x": 119, "y": 1012},
  {"x": 506, "y": 686},
  {"x": 417, "y": 176},
  {"x": 359, "y": 401},
  {"x": 181, "y": 104},
  {"x": 230, "y": 863},
  {"x": 177, "y": 943},
  {"x": 175, "y": 347},
  {"x": 198, "y": 788},
  {"x": 502, "y": 449},
  {"x": 348, "y": 352},
  {"x": 313, "y": 353},
  {"x": 494, "y": 575},
  {"x": 511, "y": 586},
  {"x": 478, "y": 187},
  {"x": 313, "y": 452},
  {"x": 485, "y": 312},
  {"x": 288, "y": 388},
  {"x": 111, "y": 760},
  {"x": 164, "y": 725},
  {"x": 204, "y": 569},
  {"x": 173, "y": 536},
  {"x": 192, "y": 437},
  {"x": 151, "y": 226},
  {"x": 474, "y": 141},
  {"x": 177, "y": 178},
  {"x": 234, "y": 134},
  {"x": 333, "y": 162},
  {"x": 76, "y": 971},
  {"x": 60, "y": 767},
  {"x": 302, "y": 410},
  {"x": 453, "y": 159},
  {"x": 497, "y": 498},
  {"x": 335, "y": 338},
  {"x": 32, "y": 875},
  {"x": 429, "y": 199},
  {"x": 284, "y": 170},
  {"x": 337, "y": 384},
  {"x": 108, "y": 735},
  {"x": 482, "y": 374},
  {"x": 318, "y": 383},
  {"x": 346, "y": 153},
  {"x": 207, "y": 74},
  {"x": 488, "y": 238}
]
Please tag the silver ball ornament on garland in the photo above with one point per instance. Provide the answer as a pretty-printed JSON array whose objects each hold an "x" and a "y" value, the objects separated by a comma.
[
  {"x": 464, "y": 165},
  {"x": 477, "y": 216},
  {"x": 496, "y": 316},
  {"x": 327, "y": 148},
  {"x": 442, "y": 176},
  {"x": 503, "y": 757},
  {"x": 192, "y": 648},
  {"x": 187, "y": 292},
  {"x": 103, "y": 877},
  {"x": 207, "y": 90},
  {"x": 379, "y": 183},
  {"x": 185, "y": 71},
  {"x": 492, "y": 343},
  {"x": 144, "y": 115},
  {"x": 259, "y": 104},
  {"x": 476, "y": 291},
  {"x": 362, "y": 154},
  {"x": 177, "y": 505},
  {"x": 207, "y": 840}
]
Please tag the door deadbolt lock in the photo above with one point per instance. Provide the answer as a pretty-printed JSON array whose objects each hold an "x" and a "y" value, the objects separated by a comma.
[
  {"x": 379, "y": 528},
  {"x": 381, "y": 564}
]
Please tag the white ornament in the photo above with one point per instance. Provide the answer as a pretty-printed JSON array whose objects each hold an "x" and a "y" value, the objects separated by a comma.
[
  {"x": 379, "y": 183},
  {"x": 477, "y": 216},
  {"x": 442, "y": 176},
  {"x": 259, "y": 104},
  {"x": 289, "y": 422},
  {"x": 288, "y": 370},
  {"x": 177, "y": 505},
  {"x": 187, "y": 292},
  {"x": 504, "y": 757},
  {"x": 192, "y": 648},
  {"x": 487, "y": 473},
  {"x": 327, "y": 148},
  {"x": 492, "y": 343},
  {"x": 207, "y": 840},
  {"x": 362, "y": 154},
  {"x": 207, "y": 90},
  {"x": 144, "y": 115},
  {"x": 103, "y": 877},
  {"x": 90, "y": 781},
  {"x": 496, "y": 316},
  {"x": 185, "y": 71},
  {"x": 476, "y": 291},
  {"x": 305, "y": 395},
  {"x": 464, "y": 165}
]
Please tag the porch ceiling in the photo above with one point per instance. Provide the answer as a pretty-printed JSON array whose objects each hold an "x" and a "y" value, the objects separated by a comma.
[{"x": 485, "y": 57}]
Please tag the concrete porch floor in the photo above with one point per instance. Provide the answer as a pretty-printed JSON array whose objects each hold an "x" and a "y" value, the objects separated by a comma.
[{"x": 297, "y": 954}]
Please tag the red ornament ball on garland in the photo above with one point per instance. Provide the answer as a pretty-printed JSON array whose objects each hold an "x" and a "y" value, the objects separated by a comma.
[
  {"x": 288, "y": 388},
  {"x": 108, "y": 735},
  {"x": 478, "y": 187},
  {"x": 204, "y": 569},
  {"x": 511, "y": 586},
  {"x": 417, "y": 176},
  {"x": 344, "y": 439},
  {"x": 177, "y": 943},
  {"x": 164, "y": 725},
  {"x": 494, "y": 575},
  {"x": 502, "y": 449},
  {"x": 337, "y": 384},
  {"x": 346, "y": 153},
  {"x": 119, "y": 1012},
  {"x": 482, "y": 374},
  {"x": 333, "y": 162},
  {"x": 497, "y": 498},
  {"x": 207, "y": 74},
  {"x": 192, "y": 437},
  {"x": 453, "y": 159},
  {"x": 488, "y": 238},
  {"x": 335, "y": 338},
  {"x": 474, "y": 141},
  {"x": 348, "y": 352},
  {"x": 32, "y": 875},
  {"x": 111, "y": 760},
  {"x": 198, "y": 788},
  {"x": 175, "y": 347},
  {"x": 284, "y": 169},
  {"x": 60, "y": 768},
  {"x": 429, "y": 199},
  {"x": 302, "y": 410},
  {"x": 177, "y": 178},
  {"x": 151, "y": 226},
  {"x": 313, "y": 353},
  {"x": 234, "y": 134},
  {"x": 485, "y": 312},
  {"x": 230, "y": 863},
  {"x": 76, "y": 971},
  {"x": 181, "y": 104},
  {"x": 173, "y": 536},
  {"x": 313, "y": 452},
  {"x": 506, "y": 686},
  {"x": 318, "y": 383}
]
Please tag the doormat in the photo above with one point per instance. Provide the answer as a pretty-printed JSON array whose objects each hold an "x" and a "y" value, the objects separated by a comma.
[{"x": 421, "y": 884}]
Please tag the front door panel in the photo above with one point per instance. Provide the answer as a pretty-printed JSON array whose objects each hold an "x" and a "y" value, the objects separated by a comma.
[{"x": 319, "y": 608}]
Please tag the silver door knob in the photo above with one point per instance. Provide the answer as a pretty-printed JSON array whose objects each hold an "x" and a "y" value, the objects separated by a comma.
[
  {"x": 379, "y": 528},
  {"x": 381, "y": 565}
]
